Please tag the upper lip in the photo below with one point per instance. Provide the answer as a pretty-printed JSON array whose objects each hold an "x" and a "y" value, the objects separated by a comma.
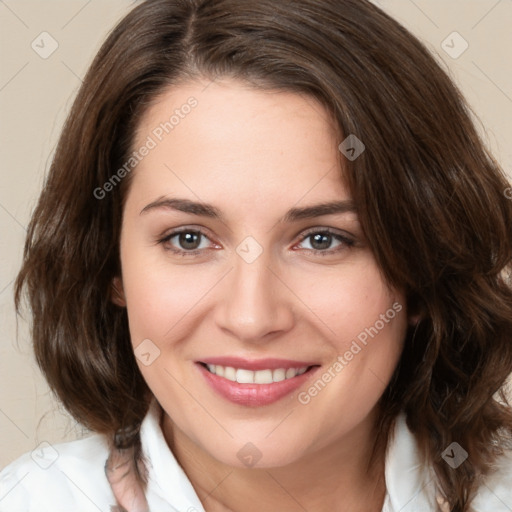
[{"x": 256, "y": 364}]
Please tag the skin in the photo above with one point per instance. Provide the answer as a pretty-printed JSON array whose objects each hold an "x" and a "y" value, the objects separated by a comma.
[{"x": 254, "y": 155}]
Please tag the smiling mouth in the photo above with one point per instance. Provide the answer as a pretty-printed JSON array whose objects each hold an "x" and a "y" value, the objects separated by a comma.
[{"x": 264, "y": 376}]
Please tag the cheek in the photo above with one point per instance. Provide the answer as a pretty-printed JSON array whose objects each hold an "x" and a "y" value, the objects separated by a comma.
[
  {"x": 160, "y": 295},
  {"x": 371, "y": 326},
  {"x": 155, "y": 297},
  {"x": 365, "y": 323},
  {"x": 366, "y": 350},
  {"x": 350, "y": 303}
]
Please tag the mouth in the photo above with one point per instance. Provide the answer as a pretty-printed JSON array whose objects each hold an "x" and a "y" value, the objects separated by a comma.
[
  {"x": 255, "y": 383},
  {"x": 265, "y": 376}
]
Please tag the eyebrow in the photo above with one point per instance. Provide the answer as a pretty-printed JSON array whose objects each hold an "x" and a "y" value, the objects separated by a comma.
[{"x": 212, "y": 212}]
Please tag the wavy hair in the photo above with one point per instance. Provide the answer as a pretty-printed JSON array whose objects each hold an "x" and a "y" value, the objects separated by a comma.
[{"x": 431, "y": 200}]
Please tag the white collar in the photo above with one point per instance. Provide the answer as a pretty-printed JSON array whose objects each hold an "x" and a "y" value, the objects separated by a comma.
[
  {"x": 168, "y": 485},
  {"x": 410, "y": 485}
]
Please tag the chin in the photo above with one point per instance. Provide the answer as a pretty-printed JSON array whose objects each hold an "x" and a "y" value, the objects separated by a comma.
[{"x": 257, "y": 455}]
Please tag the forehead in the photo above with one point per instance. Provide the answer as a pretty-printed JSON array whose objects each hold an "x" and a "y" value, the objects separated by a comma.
[{"x": 225, "y": 140}]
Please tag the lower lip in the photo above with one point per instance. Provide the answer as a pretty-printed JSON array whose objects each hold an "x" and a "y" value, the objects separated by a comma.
[{"x": 254, "y": 395}]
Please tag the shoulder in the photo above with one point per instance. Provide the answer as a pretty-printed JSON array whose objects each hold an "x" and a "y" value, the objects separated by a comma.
[
  {"x": 495, "y": 494},
  {"x": 412, "y": 484},
  {"x": 62, "y": 477}
]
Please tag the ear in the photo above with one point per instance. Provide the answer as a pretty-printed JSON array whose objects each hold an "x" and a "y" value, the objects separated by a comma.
[
  {"x": 414, "y": 320},
  {"x": 415, "y": 311},
  {"x": 117, "y": 292}
]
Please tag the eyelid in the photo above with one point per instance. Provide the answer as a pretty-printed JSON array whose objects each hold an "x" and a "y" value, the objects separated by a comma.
[
  {"x": 344, "y": 238},
  {"x": 186, "y": 229},
  {"x": 324, "y": 229}
]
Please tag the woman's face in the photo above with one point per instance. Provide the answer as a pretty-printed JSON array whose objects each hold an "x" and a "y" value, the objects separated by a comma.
[{"x": 276, "y": 291}]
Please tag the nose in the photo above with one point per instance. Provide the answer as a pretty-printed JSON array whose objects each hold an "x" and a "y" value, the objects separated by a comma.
[{"x": 256, "y": 305}]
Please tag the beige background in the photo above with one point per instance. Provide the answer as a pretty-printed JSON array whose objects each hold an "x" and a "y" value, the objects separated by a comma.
[{"x": 36, "y": 93}]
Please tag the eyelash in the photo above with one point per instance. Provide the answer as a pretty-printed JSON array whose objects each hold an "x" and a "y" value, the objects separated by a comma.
[{"x": 345, "y": 241}]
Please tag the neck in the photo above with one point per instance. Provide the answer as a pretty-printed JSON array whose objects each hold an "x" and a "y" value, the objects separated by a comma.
[{"x": 343, "y": 477}]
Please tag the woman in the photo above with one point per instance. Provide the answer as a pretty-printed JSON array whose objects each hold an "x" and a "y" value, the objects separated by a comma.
[{"x": 266, "y": 277}]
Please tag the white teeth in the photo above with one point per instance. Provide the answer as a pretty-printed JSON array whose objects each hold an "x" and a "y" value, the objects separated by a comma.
[
  {"x": 279, "y": 375},
  {"x": 229, "y": 373},
  {"x": 290, "y": 373},
  {"x": 263, "y": 377},
  {"x": 243, "y": 376}
]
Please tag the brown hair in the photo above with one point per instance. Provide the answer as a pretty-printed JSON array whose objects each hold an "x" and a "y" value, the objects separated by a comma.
[{"x": 430, "y": 199}]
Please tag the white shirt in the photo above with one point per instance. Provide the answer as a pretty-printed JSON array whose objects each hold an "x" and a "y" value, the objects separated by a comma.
[{"x": 70, "y": 477}]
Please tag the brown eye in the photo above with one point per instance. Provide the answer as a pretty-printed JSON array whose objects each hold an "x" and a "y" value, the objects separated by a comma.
[
  {"x": 324, "y": 242},
  {"x": 189, "y": 240},
  {"x": 186, "y": 242},
  {"x": 321, "y": 241}
]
